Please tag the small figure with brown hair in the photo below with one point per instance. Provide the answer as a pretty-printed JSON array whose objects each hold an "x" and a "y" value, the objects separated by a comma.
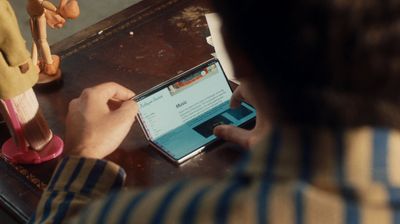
[{"x": 40, "y": 12}]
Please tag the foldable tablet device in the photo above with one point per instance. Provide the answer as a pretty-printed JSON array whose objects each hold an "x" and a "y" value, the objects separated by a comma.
[{"x": 179, "y": 115}]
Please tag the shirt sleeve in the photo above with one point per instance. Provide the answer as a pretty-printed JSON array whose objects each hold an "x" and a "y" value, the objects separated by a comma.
[
  {"x": 75, "y": 194},
  {"x": 75, "y": 182}
]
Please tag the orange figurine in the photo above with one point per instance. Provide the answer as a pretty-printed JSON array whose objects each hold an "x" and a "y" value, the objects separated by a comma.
[{"x": 42, "y": 12}]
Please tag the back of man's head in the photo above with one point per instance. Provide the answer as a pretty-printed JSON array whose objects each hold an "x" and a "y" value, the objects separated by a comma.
[{"x": 333, "y": 63}]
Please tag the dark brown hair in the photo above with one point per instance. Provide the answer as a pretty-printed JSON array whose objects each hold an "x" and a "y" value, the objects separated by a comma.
[{"x": 333, "y": 63}]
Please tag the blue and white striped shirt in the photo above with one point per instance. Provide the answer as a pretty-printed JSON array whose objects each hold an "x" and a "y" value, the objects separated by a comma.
[{"x": 295, "y": 176}]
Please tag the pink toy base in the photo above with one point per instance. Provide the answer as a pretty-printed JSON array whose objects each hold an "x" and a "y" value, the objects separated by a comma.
[{"x": 28, "y": 156}]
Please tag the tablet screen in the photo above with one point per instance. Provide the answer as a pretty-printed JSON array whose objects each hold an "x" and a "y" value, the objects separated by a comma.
[{"x": 179, "y": 117}]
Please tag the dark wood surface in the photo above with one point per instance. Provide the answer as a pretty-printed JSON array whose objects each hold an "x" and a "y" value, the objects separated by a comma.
[{"x": 139, "y": 47}]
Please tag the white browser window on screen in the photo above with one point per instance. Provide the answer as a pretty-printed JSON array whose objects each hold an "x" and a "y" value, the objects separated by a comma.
[{"x": 179, "y": 116}]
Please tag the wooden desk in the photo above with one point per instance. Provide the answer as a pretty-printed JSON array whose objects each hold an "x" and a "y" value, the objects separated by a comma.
[{"x": 139, "y": 48}]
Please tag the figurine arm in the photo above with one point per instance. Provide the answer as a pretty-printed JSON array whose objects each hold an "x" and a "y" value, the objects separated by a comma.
[
  {"x": 54, "y": 19},
  {"x": 49, "y": 6},
  {"x": 68, "y": 9}
]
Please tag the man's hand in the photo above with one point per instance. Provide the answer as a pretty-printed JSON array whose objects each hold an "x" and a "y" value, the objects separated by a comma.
[
  {"x": 243, "y": 137},
  {"x": 94, "y": 128}
]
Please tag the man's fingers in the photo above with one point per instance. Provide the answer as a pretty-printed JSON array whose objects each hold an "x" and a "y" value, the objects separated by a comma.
[
  {"x": 236, "y": 98},
  {"x": 125, "y": 114},
  {"x": 104, "y": 92},
  {"x": 112, "y": 90},
  {"x": 233, "y": 134},
  {"x": 127, "y": 111}
]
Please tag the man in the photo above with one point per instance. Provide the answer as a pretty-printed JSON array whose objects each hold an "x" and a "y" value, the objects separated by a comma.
[{"x": 323, "y": 77}]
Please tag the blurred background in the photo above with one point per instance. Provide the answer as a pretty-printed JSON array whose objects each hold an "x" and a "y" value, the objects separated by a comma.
[{"x": 92, "y": 11}]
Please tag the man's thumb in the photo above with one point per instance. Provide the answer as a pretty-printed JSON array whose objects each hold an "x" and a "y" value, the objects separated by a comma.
[{"x": 233, "y": 134}]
